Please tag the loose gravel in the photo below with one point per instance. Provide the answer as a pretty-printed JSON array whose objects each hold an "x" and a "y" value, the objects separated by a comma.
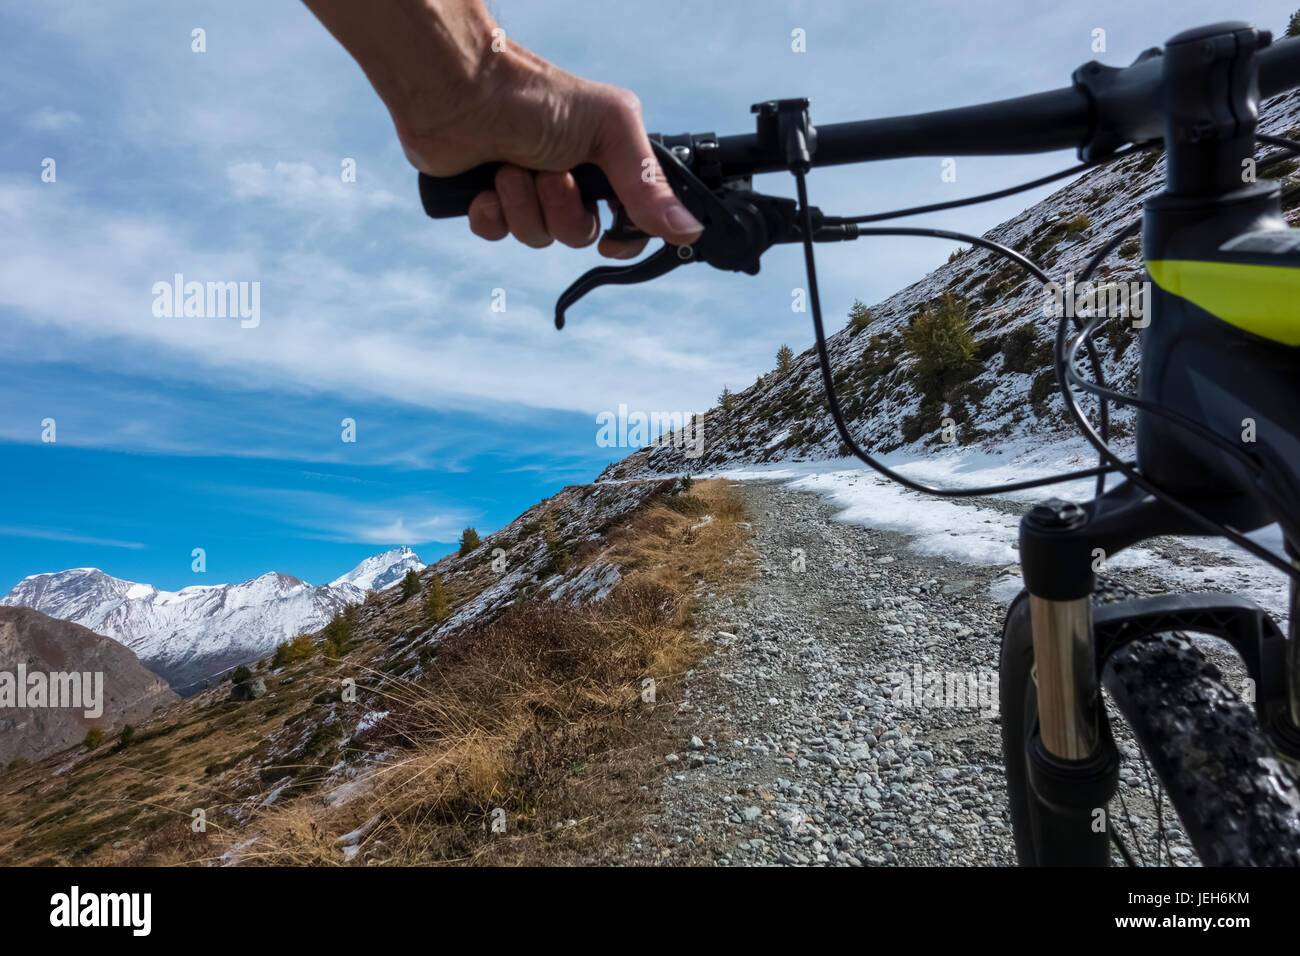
[{"x": 798, "y": 744}]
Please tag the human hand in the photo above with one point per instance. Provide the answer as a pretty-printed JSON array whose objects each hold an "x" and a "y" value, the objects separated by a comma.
[{"x": 458, "y": 99}]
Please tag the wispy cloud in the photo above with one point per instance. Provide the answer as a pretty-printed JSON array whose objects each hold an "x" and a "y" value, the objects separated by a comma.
[
  {"x": 49, "y": 119},
  {"x": 399, "y": 518},
  {"x": 411, "y": 530},
  {"x": 53, "y": 534},
  {"x": 301, "y": 186}
]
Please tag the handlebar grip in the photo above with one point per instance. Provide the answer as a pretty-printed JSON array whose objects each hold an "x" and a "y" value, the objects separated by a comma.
[{"x": 445, "y": 197}]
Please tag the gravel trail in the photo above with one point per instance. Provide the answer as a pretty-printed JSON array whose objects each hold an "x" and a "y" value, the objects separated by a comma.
[
  {"x": 848, "y": 713},
  {"x": 793, "y": 750}
]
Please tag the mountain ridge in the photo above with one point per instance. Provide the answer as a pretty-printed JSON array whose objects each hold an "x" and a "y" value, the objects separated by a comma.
[{"x": 196, "y": 632}]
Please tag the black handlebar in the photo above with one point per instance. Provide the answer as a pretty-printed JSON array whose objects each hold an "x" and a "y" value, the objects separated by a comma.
[
  {"x": 446, "y": 197},
  {"x": 1104, "y": 109}
]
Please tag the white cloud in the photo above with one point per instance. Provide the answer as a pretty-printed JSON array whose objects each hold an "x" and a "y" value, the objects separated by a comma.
[
  {"x": 294, "y": 185},
  {"x": 47, "y": 118},
  {"x": 363, "y": 296},
  {"x": 330, "y": 516},
  {"x": 54, "y": 534},
  {"x": 412, "y": 530},
  {"x": 80, "y": 280}
]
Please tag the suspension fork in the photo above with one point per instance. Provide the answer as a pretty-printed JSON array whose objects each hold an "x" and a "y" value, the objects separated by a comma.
[
  {"x": 1073, "y": 768},
  {"x": 1066, "y": 674}
]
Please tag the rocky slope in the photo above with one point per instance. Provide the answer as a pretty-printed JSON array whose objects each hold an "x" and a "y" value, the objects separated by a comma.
[
  {"x": 39, "y": 644},
  {"x": 1009, "y": 394},
  {"x": 189, "y": 635}
]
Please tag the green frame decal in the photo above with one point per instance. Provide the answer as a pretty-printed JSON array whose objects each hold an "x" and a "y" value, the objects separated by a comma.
[{"x": 1263, "y": 300}]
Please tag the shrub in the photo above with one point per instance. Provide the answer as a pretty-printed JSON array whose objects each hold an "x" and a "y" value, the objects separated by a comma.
[
  {"x": 338, "y": 633},
  {"x": 1281, "y": 170},
  {"x": 692, "y": 506},
  {"x": 18, "y": 763},
  {"x": 687, "y": 481},
  {"x": 784, "y": 358},
  {"x": 94, "y": 737},
  {"x": 940, "y": 340},
  {"x": 859, "y": 317},
  {"x": 127, "y": 735},
  {"x": 557, "y": 552},
  {"x": 926, "y": 421},
  {"x": 240, "y": 674},
  {"x": 435, "y": 601},
  {"x": 1130, "y": 247},
  {"x": 469, "y": 540},
  {"x": 1080, "y": 223},
  {"x": 295, "y": 649},
  {"x": 1120, "y": 334},
  {"x": 1021, "y": 351},
  {"x": 1044, "y": 385},
  {"x": 410, "y": 584}
]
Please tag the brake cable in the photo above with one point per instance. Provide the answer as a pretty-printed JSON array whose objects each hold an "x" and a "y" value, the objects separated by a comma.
[
  {"x": 1109, "y": 461},
  {"x": 997, "y": 194},
  {"x": 828, "y": 378},
  {"x": 1066, "y": 356},
  {"x": 1094, "y": 359},
  {"x": 828, "y": 383}
]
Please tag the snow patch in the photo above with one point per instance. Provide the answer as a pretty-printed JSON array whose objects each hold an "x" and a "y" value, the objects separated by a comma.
[{"x": 976, "y": 534}]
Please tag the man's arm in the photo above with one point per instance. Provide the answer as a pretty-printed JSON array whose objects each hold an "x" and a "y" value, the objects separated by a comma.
[{"x": 456, "y": 103}]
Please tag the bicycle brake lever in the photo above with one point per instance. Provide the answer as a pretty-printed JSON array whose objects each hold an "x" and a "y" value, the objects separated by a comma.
[
  {"x": 695, "y": 196},
  {"x": 651, "y": 267},
  {"x": 739, "y": 226}
]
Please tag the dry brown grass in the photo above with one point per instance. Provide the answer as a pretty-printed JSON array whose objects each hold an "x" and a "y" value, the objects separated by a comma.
[{"x": 538, "y": 714}]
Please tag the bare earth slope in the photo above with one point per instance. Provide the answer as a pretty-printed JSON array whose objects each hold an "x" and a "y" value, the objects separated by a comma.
[{"x": 44, "y": 644}]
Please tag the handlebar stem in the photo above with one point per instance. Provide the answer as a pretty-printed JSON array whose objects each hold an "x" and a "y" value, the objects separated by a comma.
[{"x": 1211, "y": 107}]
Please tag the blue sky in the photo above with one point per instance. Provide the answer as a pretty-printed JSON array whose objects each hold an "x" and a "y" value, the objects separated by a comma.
[{"x": 177, "y": 433}]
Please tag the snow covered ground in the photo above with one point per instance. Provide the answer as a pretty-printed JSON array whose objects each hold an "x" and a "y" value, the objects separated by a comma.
[{"x": 979, "y": 534}]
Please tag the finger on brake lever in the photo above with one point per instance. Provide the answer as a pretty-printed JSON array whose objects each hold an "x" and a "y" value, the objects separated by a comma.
[
  {"x": 651, "y": 267},
  {"x": 702, "y": 202},
  {"x": 623, "y": 229},
  {"x": 694, "y": 195},
  {"x": 739, "y": 226}
]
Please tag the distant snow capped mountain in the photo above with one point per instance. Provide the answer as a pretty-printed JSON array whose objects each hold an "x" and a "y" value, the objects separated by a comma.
[
  {"x": 188, "y": 635},
  {"x": 381, "y": 570}
]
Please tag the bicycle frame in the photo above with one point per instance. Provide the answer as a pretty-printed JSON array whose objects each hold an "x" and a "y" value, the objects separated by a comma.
[{"x": 1221, "y": 348}]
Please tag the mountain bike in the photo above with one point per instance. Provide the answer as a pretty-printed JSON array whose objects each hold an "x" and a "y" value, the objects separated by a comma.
[{"x": 1221, "y": 346}]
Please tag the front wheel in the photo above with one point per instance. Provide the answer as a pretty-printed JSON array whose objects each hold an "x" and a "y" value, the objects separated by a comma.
[{"x": 1171, "y": 713}]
